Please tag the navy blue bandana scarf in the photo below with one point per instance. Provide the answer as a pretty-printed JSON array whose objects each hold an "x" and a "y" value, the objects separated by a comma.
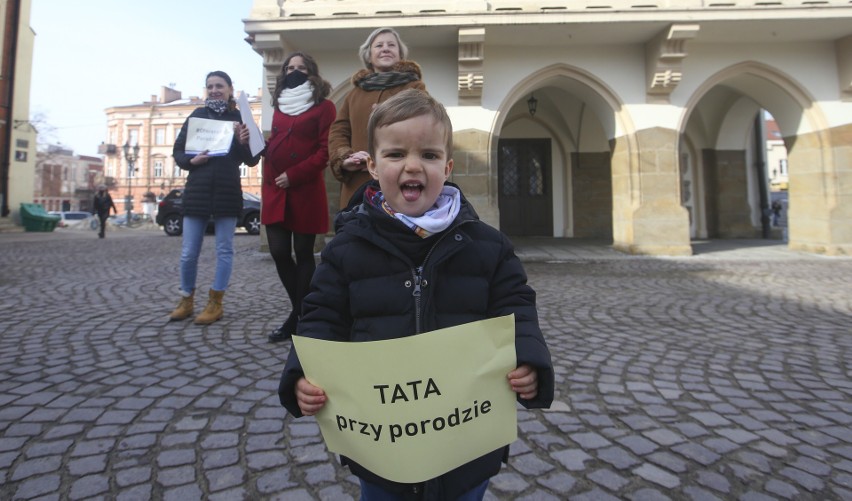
[{"x": 217, "y": 105}]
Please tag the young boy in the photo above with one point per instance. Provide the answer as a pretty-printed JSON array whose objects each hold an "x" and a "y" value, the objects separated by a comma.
[{"x": 414, "y": 257}]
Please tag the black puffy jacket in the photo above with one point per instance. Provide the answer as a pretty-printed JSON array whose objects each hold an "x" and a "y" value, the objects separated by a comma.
[
  {"x": 213, "y": 188},
  {"x": 363, "y": 291}
]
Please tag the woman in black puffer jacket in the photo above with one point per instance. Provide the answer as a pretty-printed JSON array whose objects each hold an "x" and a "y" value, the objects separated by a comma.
[{"x": 213, "y": 189}]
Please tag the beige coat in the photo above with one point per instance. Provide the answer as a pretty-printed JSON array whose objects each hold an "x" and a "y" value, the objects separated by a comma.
[{"x": 348, "y": 133}]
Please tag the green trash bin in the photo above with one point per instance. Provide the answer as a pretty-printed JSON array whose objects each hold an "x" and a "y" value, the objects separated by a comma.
[{"x": 35, "y": 218}]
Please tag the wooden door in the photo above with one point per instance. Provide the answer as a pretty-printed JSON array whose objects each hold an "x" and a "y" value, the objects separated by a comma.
[{"x": 525, "y": 187}]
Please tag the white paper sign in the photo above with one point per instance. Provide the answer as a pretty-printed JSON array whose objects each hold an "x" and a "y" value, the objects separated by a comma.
[
  {"x": 414, "y": 408},
  {"x": 256, "y": 142},
  {"x": 214, "y": 136}
]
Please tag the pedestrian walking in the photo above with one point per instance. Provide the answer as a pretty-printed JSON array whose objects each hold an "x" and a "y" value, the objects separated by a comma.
[
  {"x": 213, "y": 189},
  {"x": 776, "y": 212},
  {"x": 295, "y": 205},
  {"x": 101, "y": 206}
]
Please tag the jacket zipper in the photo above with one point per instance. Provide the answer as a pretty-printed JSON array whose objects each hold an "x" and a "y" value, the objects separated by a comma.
[{"x": 417, "y": 275}]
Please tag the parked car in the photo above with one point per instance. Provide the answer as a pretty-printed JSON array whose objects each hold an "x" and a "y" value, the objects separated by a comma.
[
  {"x": 170, "y": 214},
  {"x": 73, "y": 218}
]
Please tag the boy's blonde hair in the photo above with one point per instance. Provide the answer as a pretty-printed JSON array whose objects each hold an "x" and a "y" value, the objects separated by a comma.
[{"x": 407, "y": 104}]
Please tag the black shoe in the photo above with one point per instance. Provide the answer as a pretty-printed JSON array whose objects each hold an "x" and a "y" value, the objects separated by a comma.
[
  {"x": 286, "y": 331},
  {"x": 279, "y": 335}
]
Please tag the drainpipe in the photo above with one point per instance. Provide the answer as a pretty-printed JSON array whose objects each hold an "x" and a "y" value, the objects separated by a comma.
[
  {"x": 9, "y": 75},
  {"x": 760, "y": 165}
]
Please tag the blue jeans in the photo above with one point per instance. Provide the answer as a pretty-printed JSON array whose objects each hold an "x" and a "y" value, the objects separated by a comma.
[
  {"x": 193, "y": 237},
  {"x": 373, "y": 492}
]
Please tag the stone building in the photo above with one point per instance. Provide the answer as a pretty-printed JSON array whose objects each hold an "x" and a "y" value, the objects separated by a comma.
[
  {"x": 17, "y": 133},
  {"x": 153, "y": 126},
  {"x": 645, "y": 113},
  {"x": 65, "y": 181}
]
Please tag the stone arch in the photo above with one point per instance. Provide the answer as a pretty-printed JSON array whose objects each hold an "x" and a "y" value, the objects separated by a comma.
[
  {"x": 816, "y": 217},
  {"x": 598, "y": 100}
]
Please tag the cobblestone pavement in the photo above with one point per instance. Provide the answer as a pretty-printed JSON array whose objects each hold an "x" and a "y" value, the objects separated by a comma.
[{"x": 725, "y": 375}]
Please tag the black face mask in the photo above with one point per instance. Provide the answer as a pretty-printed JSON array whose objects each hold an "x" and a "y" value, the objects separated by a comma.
[{"x": 295, "y": 79}]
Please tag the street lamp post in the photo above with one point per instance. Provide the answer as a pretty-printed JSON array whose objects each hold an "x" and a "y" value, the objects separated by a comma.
[{"x": 131, "y": 155}]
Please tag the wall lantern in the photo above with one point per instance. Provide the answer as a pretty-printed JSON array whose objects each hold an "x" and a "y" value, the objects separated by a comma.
[{"x": 532, "y": 104}]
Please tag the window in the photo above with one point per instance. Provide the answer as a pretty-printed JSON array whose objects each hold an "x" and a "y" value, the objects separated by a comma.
[
  {"x": 177, "y": 132},
  {"x": 176, "y": 172},
  {"x": 244, "y": 170},
  {"x": 782, "y": 166},
  {"x": 133, "y": 137},
  {"x": 160, "y": 136},
  {"x": 158, "y": 168}
]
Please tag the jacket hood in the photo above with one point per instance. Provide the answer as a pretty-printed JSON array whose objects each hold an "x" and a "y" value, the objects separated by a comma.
[{"x": 401, "y": 67}]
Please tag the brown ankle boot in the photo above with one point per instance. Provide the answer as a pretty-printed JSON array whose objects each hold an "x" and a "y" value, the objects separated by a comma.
[
  {"x": 184, "y": 307},
  {"x": 213, "y": 310}
]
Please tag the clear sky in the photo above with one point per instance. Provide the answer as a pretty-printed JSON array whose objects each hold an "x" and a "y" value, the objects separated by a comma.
[{"x": 93, "y": 54}]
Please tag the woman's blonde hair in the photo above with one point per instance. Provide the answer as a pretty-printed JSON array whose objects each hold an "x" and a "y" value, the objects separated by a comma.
[{"x": 364, "y": 50}]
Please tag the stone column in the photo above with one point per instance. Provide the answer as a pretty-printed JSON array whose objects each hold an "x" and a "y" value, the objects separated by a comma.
[
  {"x": 820, "y": 198},
  {"x": 647, "y": 215}
]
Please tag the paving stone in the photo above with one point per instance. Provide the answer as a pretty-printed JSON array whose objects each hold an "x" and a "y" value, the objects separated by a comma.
[
  {"x": 558, "y": 482},
  {"x": 648, "y": 495},
  {"x": 608, "y": 479},
  {"x": 49, "y": 448},
  {"x": 617, "y": 457},
  {"x": 275, "y": 481},
  {"x": 755, "y": 496},
  {"x": 802, "y": 478},
  {"x": 218, "y": 458},
  {"x": 696, "y": 453},
  {"x": 572, "y": 459},
  {"x": 530, "y": 465},
  {"x": 266, "y": 460},
  {"x": 593, "y": 495},
  {"x": 590, "y": 440},
  {"x": 315, "y": 475},
  {"x": 224, "y": 478},
  {"x": 89, "y": 486},
  {"x": 35, "y": 467},
  {"x": 133, "y": 476},
  {"x": 782, "y": 489},
  {"x": 183, "y": 493},
  {"x": 87, "y": 465},
  {"x": 176, "y": 457},
  {"x": 663, "y": 436},
  {"x": 220, "y": 440},
  {"x": 669, "y": 461},
  {"x": 171, "y": 477},
  {"x": 508, "y": 482},
  {"x": 638, "y": 445},
  {"x": 714, "y": 481},
  {"x": 136, "y": 493},
  {"x": 34, "y": 487},
  {"x": 656, "y": 475},
  {"x": 698, "y": 494}
]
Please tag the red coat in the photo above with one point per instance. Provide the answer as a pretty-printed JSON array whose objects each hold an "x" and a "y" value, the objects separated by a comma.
[{"x": 298, "y": 145}]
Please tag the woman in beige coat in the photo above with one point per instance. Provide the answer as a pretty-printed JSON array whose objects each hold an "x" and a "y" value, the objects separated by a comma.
[{"x": 387, "y": 73}]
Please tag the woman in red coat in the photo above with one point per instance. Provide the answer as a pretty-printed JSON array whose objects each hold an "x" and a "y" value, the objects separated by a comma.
[{"x": 295, "y": 207}]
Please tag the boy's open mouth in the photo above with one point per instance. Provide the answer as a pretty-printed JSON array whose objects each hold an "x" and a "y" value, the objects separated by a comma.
[{"x": 411, "y": 191}]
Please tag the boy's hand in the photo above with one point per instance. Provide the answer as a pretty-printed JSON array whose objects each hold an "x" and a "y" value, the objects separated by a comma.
[
  {"x": 524, "y": 381},
  {"x": 309, "y": 397}
]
